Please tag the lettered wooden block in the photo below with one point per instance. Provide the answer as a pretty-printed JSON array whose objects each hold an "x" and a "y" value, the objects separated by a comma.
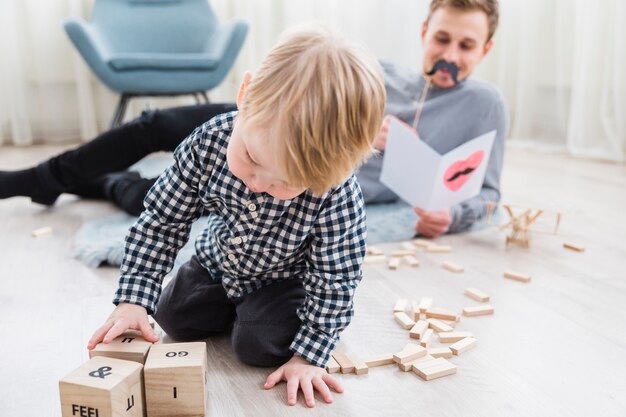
[
  {"x": 379, "y": 360},
  {"x": 482, "y": 310},
  {"x": 452, "y": 267},
  {"x": 477, "y": 295},
  {"x": 418, "y": 329},
  {"x": 130, "y": 346},
  {"x": 439, "y": 326},
  {"x": 440, "y": 313},
  {"x": 425, "y": 339},
  {"x": 103, "y": 387},
  {"x": 517, "y": 276},
  {"x": 440, "y": 352},
  {"x": 175, "y": 378},
  {"x": 409, "y": 353},
  {"x": 332, "y": 367},
  {"x": 360, "y": 367},
  {"x": 404, "y": 320},
  {"x": 463, "y": 345},
  {"x": 346, "y": 365},
  {"x": 451, "y": 337},
  {"x": 434, "y": 369}
]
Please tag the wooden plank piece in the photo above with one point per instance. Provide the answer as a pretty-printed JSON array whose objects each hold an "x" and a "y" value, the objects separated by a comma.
[
  {"x": 401, "y": 305},
  {"x": 406, "y": 367},
  {"x": 517, "y": 276},
  {"x": 483, "y": 310},
  {"x": 418, "y": 330},
  {"x": 379, "y": 360},
  {"x": 41, "y": 232},
  {"x": 402, "y": 252},
  {"x": 451, "y": 337},
  {"x": 332, "y": 367},
  {"x": 404, "y": 320},
  {"x": 574, "y": 247},
  {"x": 412, "y": 261},
  {"x": 452, "y": 267},
  {"x": 360, "y": 367},
  {"x": 439, "y": 249},
  {"x": 440, "y": 352},
  {"x": 393, "y": 264},
  {"x": 440, "y": 313},
  {"x": 439, "y": 326},
  {"x": 347, "y": 367},
  {"x": 434, "y": 369},
  {"x": 409, "y": 353},
  {"x": 425, "y": 304},
  {"x": 463, "y": 345},
  {"x": 374, "y": 259},
  {"x": 424, "y": 340},
  {"x": 477, "y": 295}
]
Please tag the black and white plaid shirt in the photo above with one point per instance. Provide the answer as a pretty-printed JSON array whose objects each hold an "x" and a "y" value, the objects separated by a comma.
[{"x": 251, "y": 239}]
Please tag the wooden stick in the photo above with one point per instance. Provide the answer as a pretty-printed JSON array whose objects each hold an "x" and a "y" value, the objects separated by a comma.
[{"x": 420, "y": 104}]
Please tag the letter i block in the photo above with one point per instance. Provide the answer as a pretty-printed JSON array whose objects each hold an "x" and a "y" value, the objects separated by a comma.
[
  {"x": 103, "y": 387},
  {"x": 130, "y": 346},
  {"x": 175, "y": 379}
]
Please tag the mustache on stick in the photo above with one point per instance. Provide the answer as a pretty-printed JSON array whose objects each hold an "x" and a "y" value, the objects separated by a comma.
[{"x": 442, "y": 64}]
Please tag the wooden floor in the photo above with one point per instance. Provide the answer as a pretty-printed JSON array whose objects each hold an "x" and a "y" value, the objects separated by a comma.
[{"x": 555, "y": 346}]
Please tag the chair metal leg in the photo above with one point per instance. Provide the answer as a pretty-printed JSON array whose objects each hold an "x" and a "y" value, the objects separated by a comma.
[
  {"x": 206, "y": 97},
  {"x": 197, "y": 97},
  {"x": 121, "y": 110}
]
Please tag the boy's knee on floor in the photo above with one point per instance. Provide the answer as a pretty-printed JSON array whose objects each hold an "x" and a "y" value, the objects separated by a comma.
[{"x": 259, "y": 346}]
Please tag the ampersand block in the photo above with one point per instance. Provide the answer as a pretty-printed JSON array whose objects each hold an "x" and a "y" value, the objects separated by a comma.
[
  {"x": 130, "y": 346},
  {"x": 103, "y": 387},
  {"x": 175, "y": 379}
]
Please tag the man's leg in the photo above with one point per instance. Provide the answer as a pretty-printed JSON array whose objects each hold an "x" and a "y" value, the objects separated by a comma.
[
  {"x": 194, "y": 306},
  {"x": 267, "y": 323}
]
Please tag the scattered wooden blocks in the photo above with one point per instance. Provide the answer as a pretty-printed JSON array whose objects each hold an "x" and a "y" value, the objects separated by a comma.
[
  {"x": 477, "y": 295},
  {"x": 393, "y": 264},
  {"x": 130, "y": 346},
  {"x": 451, "y": 337},
  {"x": 482, "y": 310},
  {"x": 360, "y": 367},
  {"x": 440, "y": 313},
  {"x": 418, "y": 330},
  {"x": 332, "y": 367},
  {"x": 379, "y": 360},
  {"x": 44, "y": 231},
  {"x": 439, "y": 249},
  {"x": 374, "y": 259},
  {"x": 406, "y": 367},
  {"x": 574, "y": 247},
  {"x": 422, "y": 243},
  {"x": 373, "y": 250},
  {"x": 103, "y": 387},
  {"x": 175, "y": 379},
  {"x": 452, "y": 267},
  {"x": 401, "y": 253},
  {"x": 426, "y": 337},
  {"x": 346, "y": 365},
  {"x": 517, "y": 276},
  {"x": 404, "y": 320},
  {"x": 412, "y": 261},
  {"x": 436, "y": 368},
  {"x": 401, "y": 305},
  {"x": 439, "y": 326},
  {"x": 409, "y": 353},
  {"x": 425, "y": 304},
  {"x": 440, "y": 352},
  {"x": 463, "y": 345}
]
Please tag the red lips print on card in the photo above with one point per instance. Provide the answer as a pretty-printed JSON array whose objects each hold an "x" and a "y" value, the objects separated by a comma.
[{"x": 460, "y": 172}]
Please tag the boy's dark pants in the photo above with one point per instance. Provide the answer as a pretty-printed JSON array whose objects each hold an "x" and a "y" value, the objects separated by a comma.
[{"x": 264, "y": 322}]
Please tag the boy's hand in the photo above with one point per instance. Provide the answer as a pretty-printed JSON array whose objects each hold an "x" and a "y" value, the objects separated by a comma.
[
  {"x": 300, "y": 373},
  {"x": 381, "y": 138},
  {"x": 433, "y": 223},
  {"x": 124, "y": 317}
]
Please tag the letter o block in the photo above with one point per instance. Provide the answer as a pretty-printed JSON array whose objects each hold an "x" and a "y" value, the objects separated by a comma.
[
  {"x": 103, "y": 387},
  {"x": 175, "y": 379}
]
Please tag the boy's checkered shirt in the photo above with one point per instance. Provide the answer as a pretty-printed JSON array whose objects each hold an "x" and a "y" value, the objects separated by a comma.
[{"x": 251, "y": 239}]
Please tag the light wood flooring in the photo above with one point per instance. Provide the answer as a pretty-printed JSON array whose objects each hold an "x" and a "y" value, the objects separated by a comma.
[{"x": 555, "y": 346}]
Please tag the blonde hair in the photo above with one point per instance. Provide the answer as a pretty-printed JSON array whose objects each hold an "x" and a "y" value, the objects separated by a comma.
[
  {"x": 324, "y": 99},
  {"x": 490, "y": 7}
]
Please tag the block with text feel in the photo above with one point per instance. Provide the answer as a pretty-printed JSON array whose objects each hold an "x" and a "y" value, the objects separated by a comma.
[
  {"x": 103, "y": 387},
  {"x": 175, "y": 379},
  {"x": 130, "y": 346}
]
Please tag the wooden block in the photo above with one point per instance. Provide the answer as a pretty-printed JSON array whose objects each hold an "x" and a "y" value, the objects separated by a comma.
[
  {"x": 422, "y": 243},
  {"x": 425, "y": 304},
  {"x": 175, "y": 379},
  {"x": 439, "y": 326},
  {"x": 426, "y": 337},
  {"x": 346, "y": 365},
  {"x": 408, "y": 246},
  {"x": 412, "y": 261},
  {"x": 406, "y": 367},
  {"x": 440, "y": 352},
  {"x": 130, "y": 346},
  {"x": 451, "y": 337},
  {"x": 103, "y": 387},
  {"x": 44, "y": 231},
  {"x": 517, "y": 276},
  {"x": 374, "y": 259},
  {"x": 360, "y": 367},
  {"x": 401, "y": 305},
  {"x": 452, "y": 267},
  {"x": 439, "y": 249},
  {"x": 332, "y": 367},
  {"x": 373, "y": 250},
  {"x": 405, "y": 321},
  {"x": 409, "y": 353},
  {"x": 415, "y": 309},
  {"x": 463, "y": 345},
  {"x": 401, "y": 253},
  {"x": 440, "y": 313},
  {"x": 574, "y": 247},
  {"x": 476, "y": 294},
  {"x": 418, "y": 330},
  {"x": 379, "y": 360},
  {"x": 393, "y": 264},
  {"x": 482, "y": 310},
  {"x": 434, "y": 369}
]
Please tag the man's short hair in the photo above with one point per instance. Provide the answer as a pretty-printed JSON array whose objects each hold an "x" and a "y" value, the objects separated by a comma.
[
  {"x": 325, "y": 99},
  {"x": 490, "y": 7}
]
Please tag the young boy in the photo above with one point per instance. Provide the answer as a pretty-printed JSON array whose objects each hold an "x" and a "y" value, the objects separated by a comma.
[{"x": 280, "y": 258}]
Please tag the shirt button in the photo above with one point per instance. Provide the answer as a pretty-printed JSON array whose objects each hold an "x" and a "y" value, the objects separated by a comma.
[
  {"x": 236, "y": 240},
  {"x": 231, "y": 257},
  {"x": 252, "y": 207}
]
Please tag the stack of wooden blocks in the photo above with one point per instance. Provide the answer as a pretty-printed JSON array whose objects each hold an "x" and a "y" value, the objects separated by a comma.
[{"x": 133, "y": 377}]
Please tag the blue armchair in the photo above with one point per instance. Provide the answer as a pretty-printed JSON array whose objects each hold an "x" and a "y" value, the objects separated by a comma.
[{"x": 157, "y": 47}]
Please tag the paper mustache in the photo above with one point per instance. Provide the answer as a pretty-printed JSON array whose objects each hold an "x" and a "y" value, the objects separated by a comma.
[{"x": 445, "y": 65}]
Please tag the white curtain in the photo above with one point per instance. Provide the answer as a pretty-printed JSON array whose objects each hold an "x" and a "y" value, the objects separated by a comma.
[{"x": 560, "y": 63}]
